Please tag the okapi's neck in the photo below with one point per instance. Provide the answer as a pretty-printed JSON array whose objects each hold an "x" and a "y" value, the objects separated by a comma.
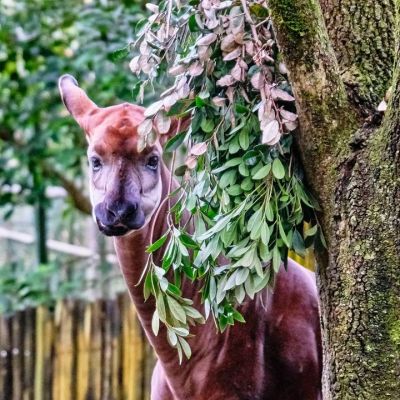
[{"x": 132, "y": 257}]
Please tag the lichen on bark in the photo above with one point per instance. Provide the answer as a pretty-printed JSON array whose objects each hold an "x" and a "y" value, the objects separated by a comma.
[{"x": 363, "y": 35}]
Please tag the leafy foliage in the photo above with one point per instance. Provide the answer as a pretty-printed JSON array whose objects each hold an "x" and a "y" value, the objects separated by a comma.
[
  {"x": 20, "y": 289},
  {"x": 241, "y": 183}
]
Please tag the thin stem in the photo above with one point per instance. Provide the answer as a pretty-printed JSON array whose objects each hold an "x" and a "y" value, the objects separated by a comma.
[{"x": 250, "y": 21}]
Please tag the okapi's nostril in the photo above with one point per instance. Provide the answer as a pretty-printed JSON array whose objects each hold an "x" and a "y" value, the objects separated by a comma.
[{"x": 122, "y": 211}]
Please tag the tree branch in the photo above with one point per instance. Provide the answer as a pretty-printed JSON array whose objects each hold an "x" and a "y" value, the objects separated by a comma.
[
  {"x": 79, "y": 200},
  {"x": 326, "y": 119}
]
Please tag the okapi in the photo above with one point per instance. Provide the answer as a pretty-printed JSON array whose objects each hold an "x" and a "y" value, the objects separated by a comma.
[{"x": 275, "y": 355}]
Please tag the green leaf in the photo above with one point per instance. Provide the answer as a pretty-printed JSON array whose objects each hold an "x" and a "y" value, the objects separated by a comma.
[
  {"x": 172, "y": 338},
  {"x": 185, "y": 347},
  {"x": 174, "y": 142},
  {"x": 311, "y": 232},
  {"x": 251, "y": 157},
  {"x": 231, "y": 282},
  {"x": 176, "y": 309},
  {"x": 119, "y": 54},
  {"x": 193, "y": 27},
  {"x": 155, "y": 323},
  {"x": 180, "y": 331},
  {"x": 263, "y": 172},
  {"x": 244, "y": 139},
  {"x": 265, "y": 233},
  {"x": 188, "y": 241},
  {"x": 241, "y": 276},
  {"x": 298, "y": 243},
  {"x": 283, "y": 235},
  {"x": 193, "y": 313},
  {"x": 278, "y": 169},
  {"x": 207, "y": 125},
  {"x": 180, "y": 171},
  {"x": 238, "y": 317},
  {"x": 148, "y": 286},
  {"x": 169, "y": 255},
  {"x": 160, "y": 305},
  {"x": 276, "y": 259},
  {"x": 241, "y": 109},
  {"x": 157, "y": 244},
  {"x": 180, "y": 108},
  {"x": 235, "y": 190}
]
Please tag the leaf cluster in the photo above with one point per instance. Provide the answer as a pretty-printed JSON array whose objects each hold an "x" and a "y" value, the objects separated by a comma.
[{"x": 242, "y": 204}]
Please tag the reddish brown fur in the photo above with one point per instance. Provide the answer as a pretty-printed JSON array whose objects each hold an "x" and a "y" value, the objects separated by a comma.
[{"x": 276, "y": 355}]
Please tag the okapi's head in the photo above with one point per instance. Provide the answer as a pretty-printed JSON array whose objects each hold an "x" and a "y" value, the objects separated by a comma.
[{"x": 125, "y": 185}]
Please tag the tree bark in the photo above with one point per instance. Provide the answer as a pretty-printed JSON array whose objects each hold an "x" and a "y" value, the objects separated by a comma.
[
  {"x": 351, "y": 159},
  {"x": 363, "y": 36}
]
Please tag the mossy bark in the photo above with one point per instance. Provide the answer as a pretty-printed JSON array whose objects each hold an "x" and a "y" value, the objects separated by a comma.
[
  {"x": 352, "y": 164},
  {"x": 363, "y": 36}
]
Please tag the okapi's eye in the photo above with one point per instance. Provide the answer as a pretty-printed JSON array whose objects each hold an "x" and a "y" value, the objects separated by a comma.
[
  {"x": 152, "y": 163},
  {"x": 96, "y": 163}
]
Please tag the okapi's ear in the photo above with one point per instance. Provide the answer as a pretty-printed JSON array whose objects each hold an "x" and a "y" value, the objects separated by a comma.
[{"x": 75, "y": 99}]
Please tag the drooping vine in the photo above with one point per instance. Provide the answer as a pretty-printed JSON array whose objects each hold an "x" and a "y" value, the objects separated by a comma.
[{"x": 240, "y": 184}]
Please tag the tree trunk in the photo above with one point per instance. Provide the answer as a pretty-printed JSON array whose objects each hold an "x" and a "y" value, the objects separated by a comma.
[{"x": 339, "y": 73}]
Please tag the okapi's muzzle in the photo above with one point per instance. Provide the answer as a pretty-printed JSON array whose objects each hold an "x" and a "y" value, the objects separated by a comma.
[{"x": 116, "y": 218}]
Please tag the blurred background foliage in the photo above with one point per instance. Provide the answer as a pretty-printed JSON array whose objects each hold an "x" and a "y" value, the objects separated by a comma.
[
  {"x": 41, "y": 147},
  {"x": 39, "y": 41}
]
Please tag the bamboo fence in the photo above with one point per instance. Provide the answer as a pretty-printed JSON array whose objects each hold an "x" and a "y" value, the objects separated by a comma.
[{"x": 78, "y": 351}]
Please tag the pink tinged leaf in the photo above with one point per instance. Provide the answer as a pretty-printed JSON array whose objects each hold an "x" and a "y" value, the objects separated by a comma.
[
  {"x": 191, "y": 162},
  {"x": 226, "y": 80},
  {"x": 141, "y": 144},
  {"x": 168, "y": 91},
  {"x": 162, "y": 122},
  {"x": 153, "y": 18},
  {"x": 257, "y": 80},
  {"x": 239, "y": 37},
  {"x": 204, "y": 53},
  {"x": 228, "y": 43},
  {"x": 207, "y": 39},
  {"x": 196, "y": 69},
  {"x": 177, "y": 70},
  {"x": 198, "y": 149},
  {"x": 152, "y": 7},
  {"x": 245, "y": 96},
  {"x": 134, "y": 65},
  {"x": 282, "y": 68},
  {"x": 151, "y": 138},
  {"x": 230, "y": 92},
  {"x": 249, "y": 46},
  {"x": 223, "y": 5},
  {"x": 199, "y": 21},
  {"x": 382, "y": 106},
  {"x": 290, "y": 125},
  {"x": 218, "y": 101},
  {"x": 170, "y": 100},
  {"x": 145, "y": 127},
  {"x": 153, "y": 109},
  {"x": 243, "y": 64},
  {"x": 288, "y": 115},
  {"x": 144, "y": 49},
  {"x": 212, "y": 23},
  {"x": 237, "y": 72},
  {"x": 279, "y": 94},
  {"x": 271, "y": 132},
  {"x": 233, "y": 54},
  {"x": 236, "y": 19},
  {"x": 184, "y": 91}
]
